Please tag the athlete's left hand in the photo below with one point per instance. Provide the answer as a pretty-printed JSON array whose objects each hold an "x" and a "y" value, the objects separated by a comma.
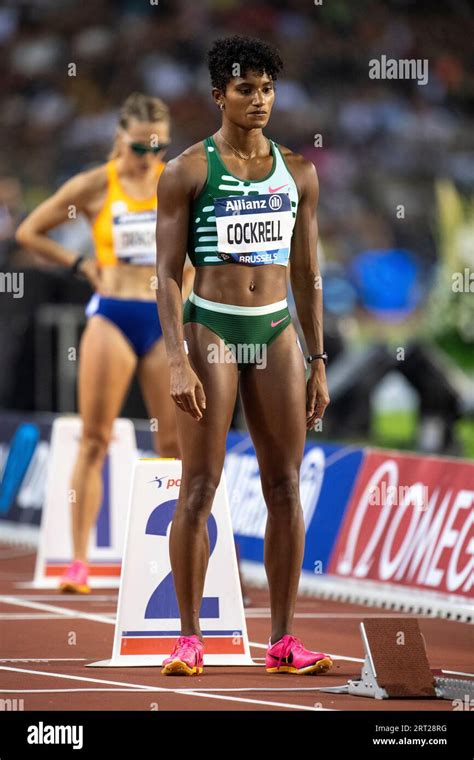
[{"x": 317, "y": 396}]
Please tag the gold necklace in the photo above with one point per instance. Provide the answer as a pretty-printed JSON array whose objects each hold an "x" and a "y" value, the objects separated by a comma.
[{"x": 241, "y": 155}]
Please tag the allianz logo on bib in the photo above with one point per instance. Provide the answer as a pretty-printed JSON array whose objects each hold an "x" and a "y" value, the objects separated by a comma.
[
  {"x": 252, "y": 205},
  {"x": 46, "y": 734},
  {"x": 274, "y": 202}
]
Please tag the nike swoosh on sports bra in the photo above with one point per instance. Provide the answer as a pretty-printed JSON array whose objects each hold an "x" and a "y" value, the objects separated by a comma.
[{"x": 243, "y": 221}]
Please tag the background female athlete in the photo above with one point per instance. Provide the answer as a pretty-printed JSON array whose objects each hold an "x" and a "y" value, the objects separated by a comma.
[
  {"x": 123, "y": 330},
  {"x": 208, "y": 190}
]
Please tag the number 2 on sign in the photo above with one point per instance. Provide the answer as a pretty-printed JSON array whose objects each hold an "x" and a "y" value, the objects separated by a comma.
[{"x": 163, "y": 603}]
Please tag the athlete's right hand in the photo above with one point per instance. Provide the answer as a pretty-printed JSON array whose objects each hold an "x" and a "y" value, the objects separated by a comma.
[{"x": 187, "y": 391}]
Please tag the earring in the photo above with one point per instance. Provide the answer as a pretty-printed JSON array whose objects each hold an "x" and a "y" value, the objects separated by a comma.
[{"x": 221, "y": 106}]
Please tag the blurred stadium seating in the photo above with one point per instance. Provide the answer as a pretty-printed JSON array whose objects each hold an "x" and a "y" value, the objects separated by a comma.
[{"x": 68, "y": 65}]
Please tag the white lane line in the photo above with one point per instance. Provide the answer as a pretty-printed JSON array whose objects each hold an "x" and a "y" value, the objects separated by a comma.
[
  {"x": 65, "y": 611},
  {"x": 255, "y": 614},
  {"x": 39, "y": 616},
  {"x": 309, "y": 616},
  {"x": 44, "y": 659},
  {"x": 86, "y": 679},
  {"x": 333, "y": 656},
  {"x": 65, "y": 691},
  {"x": 287, "y": 705},
  {"x": 203, "y": 689},
  {"x": 199, "y": 693},
  {"x": 262, "y": 609},
  {"x": 73, "y": 598}
]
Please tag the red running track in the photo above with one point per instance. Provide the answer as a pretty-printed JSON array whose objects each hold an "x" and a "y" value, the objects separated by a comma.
[{"x": 44, "y": 652}]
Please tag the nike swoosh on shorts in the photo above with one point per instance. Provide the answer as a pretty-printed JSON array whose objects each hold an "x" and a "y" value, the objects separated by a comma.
[{"x": 274, "y": 324}]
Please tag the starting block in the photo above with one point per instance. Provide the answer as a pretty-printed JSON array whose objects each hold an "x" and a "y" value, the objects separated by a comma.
[
  {"x": 396, "y": 665},
  {"x": 148, "y": 619},
  {"x": 106, "y": 541}
]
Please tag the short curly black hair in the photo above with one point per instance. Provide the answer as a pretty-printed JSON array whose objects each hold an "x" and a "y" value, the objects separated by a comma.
[{"x": 250, "y": 53}]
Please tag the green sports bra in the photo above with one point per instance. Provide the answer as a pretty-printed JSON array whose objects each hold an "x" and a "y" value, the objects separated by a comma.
[{"x": 243, "y": 221}]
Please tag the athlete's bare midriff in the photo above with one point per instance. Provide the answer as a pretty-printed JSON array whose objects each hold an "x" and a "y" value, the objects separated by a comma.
[
  {"x": 130, "y": 281},
  {"x": 242, "y": 285}
]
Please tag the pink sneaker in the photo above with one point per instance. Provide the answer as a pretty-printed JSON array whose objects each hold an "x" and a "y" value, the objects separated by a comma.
[
  {"x": 75, "y": 578},
  {"x": 289, "y": 656},
  {"x": 186, "y": 658}
]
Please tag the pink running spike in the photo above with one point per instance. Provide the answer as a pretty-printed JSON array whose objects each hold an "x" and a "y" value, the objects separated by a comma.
[
  {"x": 186, "y": 658},
  {"x": 288, "y": 655},
  {"x": 75, "y": 578}
]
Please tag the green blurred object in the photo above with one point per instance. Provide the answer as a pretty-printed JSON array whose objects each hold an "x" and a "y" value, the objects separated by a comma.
[
  {"x": 394, "y": 411},
  {"x": 465, "y": 432},
  {"x": 449, "y": 316},
  {"x": 394, "y": 428},
  {"x": 457, "y": 349}
]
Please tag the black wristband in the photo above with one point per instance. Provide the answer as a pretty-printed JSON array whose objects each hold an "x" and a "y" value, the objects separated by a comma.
[
  {"x": 322, "y": 356},
  {"x": 74, "y": 268}
]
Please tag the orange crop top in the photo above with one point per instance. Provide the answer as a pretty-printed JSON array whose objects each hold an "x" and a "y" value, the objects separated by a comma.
[{"x": 124, "y": 229}]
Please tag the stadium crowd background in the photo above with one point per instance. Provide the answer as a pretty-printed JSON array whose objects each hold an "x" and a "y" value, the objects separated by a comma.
[{"x": 68, "y": 65}]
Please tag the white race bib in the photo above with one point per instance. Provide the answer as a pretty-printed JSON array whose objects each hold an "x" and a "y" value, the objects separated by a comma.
[
  {"x": 134, "y": 237},
  {"x": 254, "y": 229}
]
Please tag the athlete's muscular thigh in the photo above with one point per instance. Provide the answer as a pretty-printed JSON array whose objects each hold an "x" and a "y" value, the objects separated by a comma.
[
  {"x": 274, "y": 401},
  {"x": 106, "y": 367},
  {"x": 203, "y": 442}
]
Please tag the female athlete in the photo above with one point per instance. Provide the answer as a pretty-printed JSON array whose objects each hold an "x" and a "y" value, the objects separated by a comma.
[
  {"x": 239, "y": 204},
  {"x": 123, "y": 332}
]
